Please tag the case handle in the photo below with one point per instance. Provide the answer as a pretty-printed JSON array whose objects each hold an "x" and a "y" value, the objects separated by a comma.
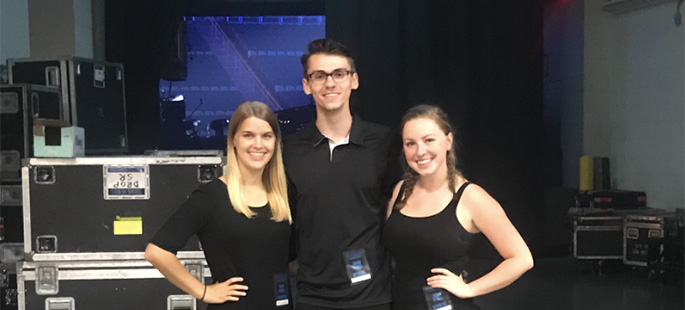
[
  {"x": 654, "y": 233},
  {"x": 35, "y": 105},
  {"x": 632, "y": 233},
  {"x": 47, "y": 282},
  {"x": 59, "y": 303},
  {"x": 52, "y": 76},
  {"x": 180, "y": 302}
]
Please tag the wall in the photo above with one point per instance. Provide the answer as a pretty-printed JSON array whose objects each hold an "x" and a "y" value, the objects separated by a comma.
[
  {"x": 634, "y": 97},
  {"x": 563, "y": 90},
  {"x": 36, "y": 28},
  {"x": 14, "y": 29},
  {"x": 61, "y": 28}
]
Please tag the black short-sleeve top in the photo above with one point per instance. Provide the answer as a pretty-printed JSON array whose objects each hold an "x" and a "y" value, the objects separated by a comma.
[{"x": 234, "y": 246}]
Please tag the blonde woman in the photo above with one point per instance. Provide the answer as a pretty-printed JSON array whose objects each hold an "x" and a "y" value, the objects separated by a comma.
[{"x": 242, "y": 220}]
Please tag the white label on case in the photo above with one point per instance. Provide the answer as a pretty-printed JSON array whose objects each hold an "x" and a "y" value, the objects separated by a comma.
[{"x": 126, "y": 182}]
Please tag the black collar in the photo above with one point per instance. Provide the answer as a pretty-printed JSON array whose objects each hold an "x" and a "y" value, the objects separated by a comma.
[{"x": 356, "y": 136}]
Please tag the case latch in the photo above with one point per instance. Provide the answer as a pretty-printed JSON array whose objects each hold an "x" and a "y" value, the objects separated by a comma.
[
  {"x": 44, "y": 175},
  {"x": 206, "y": 173},
  {"x": 10, "y": 165},
  {"x": 46, "y": 244},
  {"x": 47, "y": 282},
  {"x": 59, "y": 303},
  {"x": 180, "y": 302},
  {"x": 197, "y": 270},
  {"x": 10, "y": 196}
]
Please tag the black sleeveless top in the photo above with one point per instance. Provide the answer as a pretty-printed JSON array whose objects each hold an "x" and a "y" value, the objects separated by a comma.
[{"x": 418, "y": 244}]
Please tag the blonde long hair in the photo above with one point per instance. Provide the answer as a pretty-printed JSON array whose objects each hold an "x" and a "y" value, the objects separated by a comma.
[{"x": 273, "y": 177}]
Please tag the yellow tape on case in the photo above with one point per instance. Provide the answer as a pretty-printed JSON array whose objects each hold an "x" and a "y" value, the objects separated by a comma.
[{"x": 131, "y": 225}]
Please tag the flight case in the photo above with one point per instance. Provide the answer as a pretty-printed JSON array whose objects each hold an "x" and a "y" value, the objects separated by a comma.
[
  {"x": 8, "y": 286},
  {"x": 639, "y": 230},
  {"x": 598, "y": 237},
  {"x": 615, "y": 199},
  {"x": 103, "y": 208},
  {"x": 20, "y": 104},
  {"x": 92, "y": 95},
  {"x": 10, "y": 254},
  {"x": 103, "y": 285},
  {"x": 11, "y": 218}
]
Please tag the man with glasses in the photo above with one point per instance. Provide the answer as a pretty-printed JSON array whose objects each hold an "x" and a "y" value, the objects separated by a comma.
[{"x": 340, "y": 175}]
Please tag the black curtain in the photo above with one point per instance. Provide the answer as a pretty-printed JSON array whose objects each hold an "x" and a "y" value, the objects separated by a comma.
[
  {"x": 139, "y": 34},
  {"x": 481, "y": 61}
]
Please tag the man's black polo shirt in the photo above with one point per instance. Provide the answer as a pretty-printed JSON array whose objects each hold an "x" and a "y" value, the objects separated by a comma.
[{"x": 338, "y": 204}]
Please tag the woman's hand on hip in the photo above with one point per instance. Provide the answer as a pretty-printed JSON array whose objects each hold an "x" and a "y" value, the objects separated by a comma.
[
  {"x": 229, "y": 290},
  {"x": 447, "y": 280}
]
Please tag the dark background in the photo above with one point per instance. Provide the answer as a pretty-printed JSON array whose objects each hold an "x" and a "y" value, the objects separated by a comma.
[{"x": 481, "y": 61}]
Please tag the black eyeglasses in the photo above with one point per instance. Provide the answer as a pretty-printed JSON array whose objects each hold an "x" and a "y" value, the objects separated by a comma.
[{"x": 338, "y": 75}]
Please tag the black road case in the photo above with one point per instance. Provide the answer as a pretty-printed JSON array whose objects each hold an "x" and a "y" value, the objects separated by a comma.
[
  {"x": 10, "y": 254},
  {"x": 92, "y": 94},
  {"x": 102, "y": 285},
  {"x": 615, "y": 199},
  {"x": 20, "y": 104},
  {"x": 639, "y": 230},
  {"x": 8, "y": 286},
  {"x": 104, "y": 207},
  {"x": 598, "y": 237},
  {"x": 11, "y": 219}
]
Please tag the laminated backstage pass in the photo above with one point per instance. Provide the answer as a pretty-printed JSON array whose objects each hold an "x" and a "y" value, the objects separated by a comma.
[
  {"x": 437, "y": 299},
  {"x": 357, "y": 266},
  {"x": 281, "y": 291}
]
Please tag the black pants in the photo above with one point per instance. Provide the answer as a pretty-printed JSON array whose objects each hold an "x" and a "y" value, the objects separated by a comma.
[{"x": 301, "y": 306}]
